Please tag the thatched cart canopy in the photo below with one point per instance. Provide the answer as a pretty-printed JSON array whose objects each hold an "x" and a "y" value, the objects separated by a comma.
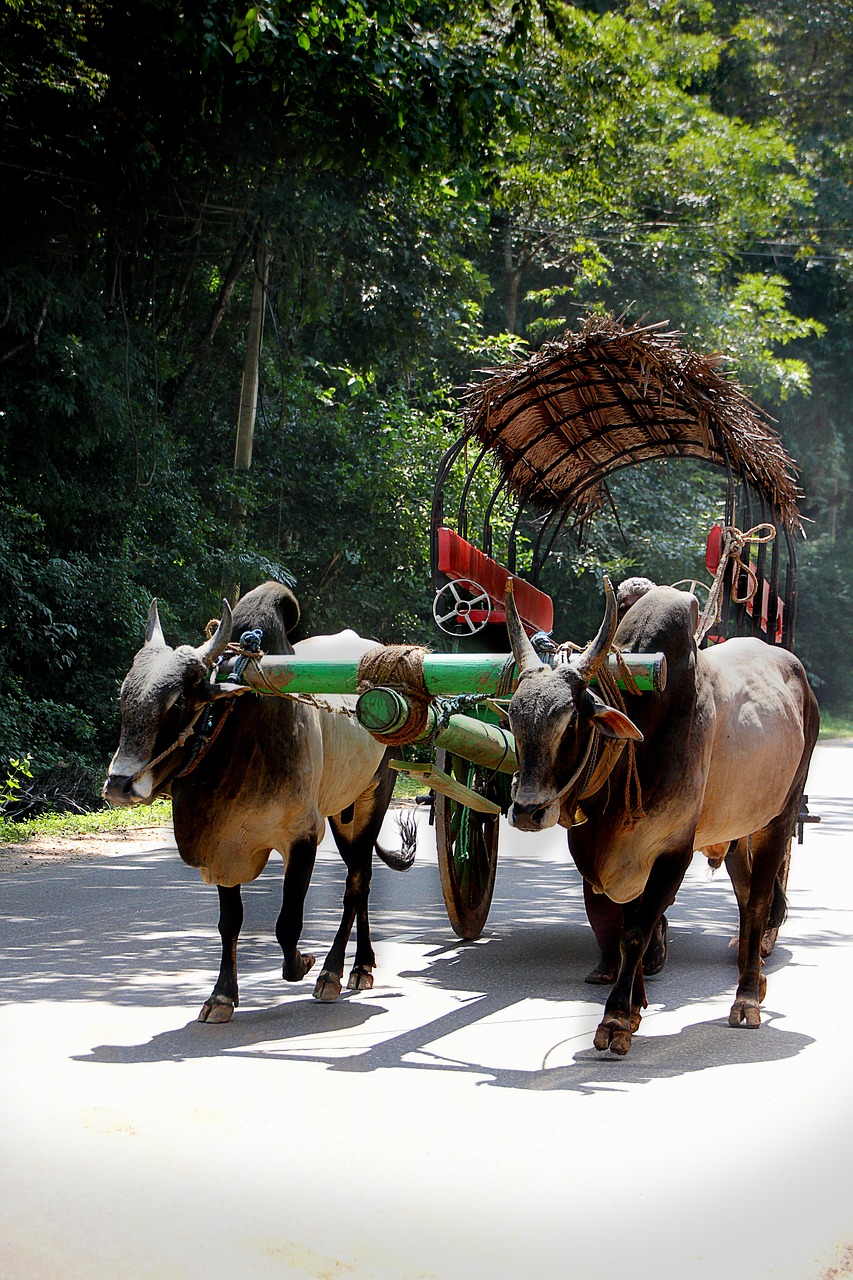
[{"x": 607, "y": 397}]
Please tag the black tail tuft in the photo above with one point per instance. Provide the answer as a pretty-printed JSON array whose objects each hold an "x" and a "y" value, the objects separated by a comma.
[
  {"x": 778, "y": 907},
  {"x": 404, "y": 859}
]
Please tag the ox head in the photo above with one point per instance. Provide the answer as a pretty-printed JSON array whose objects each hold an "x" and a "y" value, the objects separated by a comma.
[
  {"x": 161, "y": 697},
  {"x": 554, "y": 716}
]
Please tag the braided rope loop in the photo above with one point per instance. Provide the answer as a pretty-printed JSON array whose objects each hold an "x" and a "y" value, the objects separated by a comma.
[{"x": 734, "y": 541}]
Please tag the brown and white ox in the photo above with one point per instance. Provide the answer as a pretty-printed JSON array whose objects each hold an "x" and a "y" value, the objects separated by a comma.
[
  {"x": 721, "y": 755},
  {"x": 269, "y": 776}
]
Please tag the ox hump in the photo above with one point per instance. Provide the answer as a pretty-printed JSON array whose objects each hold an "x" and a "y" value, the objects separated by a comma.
[{"x": 342, "y": 646}]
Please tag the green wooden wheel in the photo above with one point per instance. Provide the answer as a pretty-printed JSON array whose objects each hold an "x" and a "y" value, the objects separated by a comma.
[{"x": 467, "y": 846}]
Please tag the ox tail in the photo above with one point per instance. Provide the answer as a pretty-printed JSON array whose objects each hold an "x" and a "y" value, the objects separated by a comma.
[
  {"x": 402, "y": 859},
  {"x": 779, "y": 905}
]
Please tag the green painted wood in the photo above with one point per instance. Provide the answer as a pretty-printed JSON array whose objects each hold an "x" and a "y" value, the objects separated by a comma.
[
  {"x": 385, "y": 711},
  {"x": 445, "y": 674},
  {"x": 475, "y": 740}
]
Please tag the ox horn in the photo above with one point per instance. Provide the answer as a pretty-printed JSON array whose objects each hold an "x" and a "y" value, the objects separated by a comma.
[
  {"x": 526, "y": 657},
  {"x": 153, "y": 630},
  {"x": 590, "y": 662},
  {"x": 215, "y": 646}
]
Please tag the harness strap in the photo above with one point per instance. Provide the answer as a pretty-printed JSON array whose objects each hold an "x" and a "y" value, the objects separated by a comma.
[
  {"x": 180, "y": 741},
  {"x": 207, "y": 742}
]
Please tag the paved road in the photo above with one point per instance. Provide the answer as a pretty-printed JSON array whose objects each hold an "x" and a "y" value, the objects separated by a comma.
[{"x": 455, "y": 1122}]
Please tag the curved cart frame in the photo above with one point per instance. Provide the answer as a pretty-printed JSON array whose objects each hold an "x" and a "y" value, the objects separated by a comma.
[{"x": 551, "y": 430}]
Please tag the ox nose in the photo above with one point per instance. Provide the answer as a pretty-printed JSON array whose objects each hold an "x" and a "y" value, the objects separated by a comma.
[
  {"x": 118, "y": 790},
  {"x": 527, "y": 817}
]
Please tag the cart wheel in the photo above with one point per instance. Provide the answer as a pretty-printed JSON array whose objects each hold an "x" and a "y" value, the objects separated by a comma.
[
  {"x": 768, "y": 938},
  {"x": 467, "y": 845}
]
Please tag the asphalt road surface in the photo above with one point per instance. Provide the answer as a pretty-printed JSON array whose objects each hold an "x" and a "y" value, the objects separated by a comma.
[{"x": 454, "y": 1123}]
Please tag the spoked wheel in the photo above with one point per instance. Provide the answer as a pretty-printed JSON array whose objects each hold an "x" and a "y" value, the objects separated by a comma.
[{"x": 467, "y": 845}]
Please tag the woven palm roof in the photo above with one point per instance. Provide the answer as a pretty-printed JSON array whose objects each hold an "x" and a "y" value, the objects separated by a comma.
[{"x": 606, "y": 397}]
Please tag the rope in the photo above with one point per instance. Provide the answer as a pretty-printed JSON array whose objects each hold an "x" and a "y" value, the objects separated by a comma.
[
  {"x": 612, "y": 694},
  {"x": 609, "y": 685},
  {"x": 206, "y": 736},
  {"x": 733, "y": 543},
  {"x": 400, "y": 667},
  {"x": 180, "y": 741}
]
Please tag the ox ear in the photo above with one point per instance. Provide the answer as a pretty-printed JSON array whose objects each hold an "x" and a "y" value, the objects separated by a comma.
[
  {"x": 215, "y": 646},
  {"x": 153, "y": 630},
  {"x": 612, "y": 723},
  {"x": 212, "y": 692}
]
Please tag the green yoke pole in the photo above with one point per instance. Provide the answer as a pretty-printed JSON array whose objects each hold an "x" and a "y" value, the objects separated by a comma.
[{"x": 445, "y": 674}]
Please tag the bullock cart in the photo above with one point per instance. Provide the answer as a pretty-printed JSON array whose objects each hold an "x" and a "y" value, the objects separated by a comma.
[{"x": 540, "y": 440}]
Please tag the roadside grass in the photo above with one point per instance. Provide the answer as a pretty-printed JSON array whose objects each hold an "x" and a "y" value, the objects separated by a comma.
[
  {"x": 102, "y": 821},
  {"x": 836, "y": 726},
  {"x": 51, "y": 825}
]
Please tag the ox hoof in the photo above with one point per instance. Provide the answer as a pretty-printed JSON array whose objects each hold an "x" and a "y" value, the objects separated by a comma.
[
  {"x": 296, "y": 971},
  {"x": 746, "y": 1012},
  {"x": 216, "y": 1009},
  {"x": 361, "y": 979},
  {"x": 614, "y": 1034},
  {"x": 327, "y": 987}
]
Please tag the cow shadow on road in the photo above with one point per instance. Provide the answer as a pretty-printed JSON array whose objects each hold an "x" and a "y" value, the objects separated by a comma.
[
  {"x": 140, "y": 932},
  {"x": 451, "y": 1007}
]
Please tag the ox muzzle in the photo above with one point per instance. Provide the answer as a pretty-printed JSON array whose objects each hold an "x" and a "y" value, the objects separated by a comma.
[
  {"x": 124, "y": 790},
  {"x": 528, "y": 812}
]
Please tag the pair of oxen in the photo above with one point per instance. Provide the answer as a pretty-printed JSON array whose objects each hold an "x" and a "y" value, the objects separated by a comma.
[{"x": 718, "y": 761}]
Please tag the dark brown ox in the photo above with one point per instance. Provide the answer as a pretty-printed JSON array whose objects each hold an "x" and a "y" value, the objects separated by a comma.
[
  {"x": 271, "y": 772},
  {"x": 721, "y": 755}
]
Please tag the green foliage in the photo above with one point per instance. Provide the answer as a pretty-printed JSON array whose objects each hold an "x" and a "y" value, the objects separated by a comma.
[
  {"x": 825, "y": 614},
  {"x": 439, "y": 188},
  {"x": 10, "y": 786}
]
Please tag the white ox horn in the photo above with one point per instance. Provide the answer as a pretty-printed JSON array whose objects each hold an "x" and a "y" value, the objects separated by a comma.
[
  {"x": 526, "y": 657},
  {"x": 215, "y": 646},
  {"x": 594, "y": 656},
  {"x": 153, "y": 630}
]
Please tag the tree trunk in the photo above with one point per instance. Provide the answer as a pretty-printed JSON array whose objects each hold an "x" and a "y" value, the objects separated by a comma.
[{"x": 247, "y": 411}]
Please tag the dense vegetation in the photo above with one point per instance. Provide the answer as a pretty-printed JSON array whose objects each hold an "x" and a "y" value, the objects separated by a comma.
[{"x": 424, "y": 189}]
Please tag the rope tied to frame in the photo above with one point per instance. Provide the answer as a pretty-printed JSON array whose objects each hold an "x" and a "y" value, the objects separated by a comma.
[
  {"x": 248, "y": 650},
  {"x": 400, "y": 667},
  {"x": 734, "y": 541}
]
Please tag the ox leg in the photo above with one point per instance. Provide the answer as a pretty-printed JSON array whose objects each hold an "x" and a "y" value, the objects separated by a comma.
[
  {"x": 768, "y": 848},
  {"x": 624, "y": 1006},
  {"x": 224, "y": 998},
  {"x": 739, "y": 867},
  {"x": 298, "y": 867},
  {"x": 328, "y": 985},
  {"x": 355, "y": 840}
]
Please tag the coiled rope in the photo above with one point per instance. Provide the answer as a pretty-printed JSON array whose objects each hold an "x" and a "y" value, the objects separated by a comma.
[
  {"x": 399, "y": 667},
  {"x": 734, "y": 541}
]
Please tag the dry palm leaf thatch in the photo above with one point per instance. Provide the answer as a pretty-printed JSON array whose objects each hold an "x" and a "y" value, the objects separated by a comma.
[{"x": 606, "y": 397}]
